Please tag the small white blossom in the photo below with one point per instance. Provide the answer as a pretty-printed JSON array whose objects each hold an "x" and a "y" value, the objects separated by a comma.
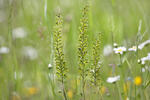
[
  {"x": 143, "y": 69},
  {"x": 113, "y": 79},
  {"x": 30, "y": 52},
  {"x": 139, "y": 61},
  {"x": 19, "y": 33},
  {"x": 147, "y": 58},
  {"x": 142, "y": 45},
  {"x": 134, "y": 48},
  {"x": 107, "y": 50},
  {"x": 120, "y": 50},
  {"x": 115, "y": 44},
  {"x": 4, "y": 50},
  {"x": 49, "y": 65}
]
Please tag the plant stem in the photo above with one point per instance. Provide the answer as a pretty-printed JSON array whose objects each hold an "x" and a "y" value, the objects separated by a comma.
[
  {"x": 63, "y": 89},
  {"x": 83, "y": 91}
]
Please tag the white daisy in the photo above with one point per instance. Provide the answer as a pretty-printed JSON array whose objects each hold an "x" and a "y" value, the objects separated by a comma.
[
  {"x": 113, "y": 79},
  {"x": 141, "y": 46},
  {"x": 30, "y": 52},
  {"x": 120, "y": 50},
  {"x": 19, "y": 33},
  {"x": 4, "y": 50},
  {"x": 107, "y": 50},
  {"x": 134, "y": 48}
]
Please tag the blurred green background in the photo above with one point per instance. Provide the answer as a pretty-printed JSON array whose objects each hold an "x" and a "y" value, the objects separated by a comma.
[{"x": 26, "y": 28}]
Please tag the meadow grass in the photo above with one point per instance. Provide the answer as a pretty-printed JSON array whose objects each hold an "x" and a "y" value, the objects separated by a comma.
[{"x": 74, "y": 50}]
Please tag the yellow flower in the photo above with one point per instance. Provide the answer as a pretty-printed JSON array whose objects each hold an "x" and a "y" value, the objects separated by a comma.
[
  {"x": 70, "y": 94},
  {"x": 103, "y": 90},
  {"x": 32, "y": 90},
  {"x": 138, "y": 80}
]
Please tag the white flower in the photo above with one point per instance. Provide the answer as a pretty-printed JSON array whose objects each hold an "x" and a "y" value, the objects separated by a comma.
[
  {"x": 147, "y": 58},
  {"x": 134, "y": 48},
  {"x": 115, "y": 44},
  {"x": 120, "y": 50},
  {"x": 107, "y": 50},
  {"x": 113, "y": 79},
  {"x": 143, "y": 69},
  {"x": 49, "y": 65},
  {"x": 19, "y": 33},
  {"x": 4, "y": 50},
  {"x": 30, "y": 52},
  {"x": 141, "y": 46}
]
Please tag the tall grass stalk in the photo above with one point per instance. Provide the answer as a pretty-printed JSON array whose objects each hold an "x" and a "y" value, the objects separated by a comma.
[
  {"x": 60, "y": 63},
  {"x": 82, "y": 48}
]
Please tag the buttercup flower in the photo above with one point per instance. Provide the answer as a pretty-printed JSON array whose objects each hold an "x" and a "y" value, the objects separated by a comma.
[
  {"x": 32, "y": 90},
  {"x": 138, "y": 80},
  {"x": 120, "y": 50},
  {"x": 113, "y": 79}
]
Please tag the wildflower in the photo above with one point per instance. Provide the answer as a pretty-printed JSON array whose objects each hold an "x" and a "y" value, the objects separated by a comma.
[
  {"x": 19, "y": 33},
  {"x": 70, "y": 94},
  {"x": 143, "y": 69},
  {"x": 29, "y": 52},
  {"x": 49, "y": 66},
  {"x": 142, "y": 45},
  {"x": 147, "y": 58},
  {"x": 134, "y": 48},
  {"x": 139, "y": 61},
  {"x": 4, "y": 50},
  {"x": 32, "y": 90},
  {"x": 103, "y": 90},
  {"x": 115, "y": 45},
  {"x": 138, "y": 80},
  {"x": 120, "y": 50},
  {"x": 107, "y": 50},
  {"x": 113, "y": 79}
]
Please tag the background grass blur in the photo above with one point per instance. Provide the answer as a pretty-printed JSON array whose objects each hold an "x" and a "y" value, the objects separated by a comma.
[{"x": 24, "y": 79}]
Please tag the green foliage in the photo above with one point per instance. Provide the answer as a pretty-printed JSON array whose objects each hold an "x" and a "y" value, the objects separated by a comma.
[
  {"x": 58, "y": 45},
  {"x": 95, "y": 70}
]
